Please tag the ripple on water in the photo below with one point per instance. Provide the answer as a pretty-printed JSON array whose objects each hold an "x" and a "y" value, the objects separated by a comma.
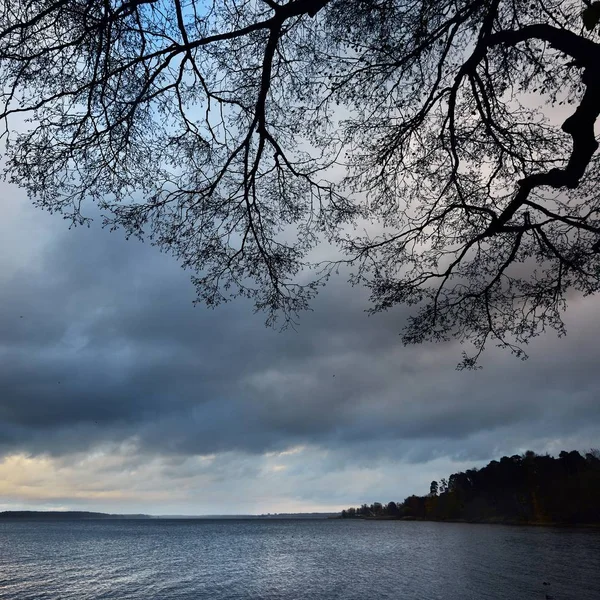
[{"x": 294, "y": 560}]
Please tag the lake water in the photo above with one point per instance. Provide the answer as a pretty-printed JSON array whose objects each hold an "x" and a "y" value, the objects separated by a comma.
[{"x": 294, "y": 560}]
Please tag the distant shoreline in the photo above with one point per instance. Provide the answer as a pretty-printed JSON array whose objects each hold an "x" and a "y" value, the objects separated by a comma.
[
  {"x": 98, "y": 516},
  {"x": 558, "y": 524},
  {"x": 67, "y": 514},
  {"x": 89, "y": 516}
]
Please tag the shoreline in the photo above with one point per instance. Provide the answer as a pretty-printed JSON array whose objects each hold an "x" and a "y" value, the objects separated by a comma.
[{"x": 554, "y": 524}]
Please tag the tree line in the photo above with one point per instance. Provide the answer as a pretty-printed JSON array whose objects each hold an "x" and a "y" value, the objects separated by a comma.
[{"x": 527, "y": 488}]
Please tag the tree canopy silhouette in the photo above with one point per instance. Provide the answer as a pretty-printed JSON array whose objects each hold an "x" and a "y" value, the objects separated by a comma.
[
  {"x": 241, "y": 134},
  {"x": 525, "y": 488}
]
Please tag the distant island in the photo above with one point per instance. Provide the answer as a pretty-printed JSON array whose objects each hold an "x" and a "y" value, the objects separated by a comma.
[
  {"x": 527, "y": 489},
  {"x": 86, "y": 515},
  {"x": 66, "y": 514}
]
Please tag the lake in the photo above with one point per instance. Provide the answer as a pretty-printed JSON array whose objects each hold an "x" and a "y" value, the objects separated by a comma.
[{"x": 294, "y": 560}]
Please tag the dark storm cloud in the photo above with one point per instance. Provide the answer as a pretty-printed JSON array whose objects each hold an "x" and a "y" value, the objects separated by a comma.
[{"x": 99, "y": 342}]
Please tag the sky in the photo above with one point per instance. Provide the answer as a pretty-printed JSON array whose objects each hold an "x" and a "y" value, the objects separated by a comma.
[{"x": 117, "y": 394}]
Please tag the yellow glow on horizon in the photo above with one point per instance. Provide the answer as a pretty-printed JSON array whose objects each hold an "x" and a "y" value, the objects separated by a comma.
[{"x": 27, "y": 478}]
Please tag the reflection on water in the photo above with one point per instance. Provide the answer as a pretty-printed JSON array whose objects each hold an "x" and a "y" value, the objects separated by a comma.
[{"x": 293, "y": 560}]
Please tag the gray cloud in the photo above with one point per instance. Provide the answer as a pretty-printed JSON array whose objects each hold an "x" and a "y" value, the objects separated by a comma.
[{"x": 100, "y": 344}]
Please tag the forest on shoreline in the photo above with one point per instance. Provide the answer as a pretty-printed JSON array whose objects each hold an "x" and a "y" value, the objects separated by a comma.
[{"x": 520, "y": 489}]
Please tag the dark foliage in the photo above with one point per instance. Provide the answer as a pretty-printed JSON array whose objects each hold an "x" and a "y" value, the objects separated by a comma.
[
  {"x": 240, "y": 135},
  {"x": 516, "y": 489}
]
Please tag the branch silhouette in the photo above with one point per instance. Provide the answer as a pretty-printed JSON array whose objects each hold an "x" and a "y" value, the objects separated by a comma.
[{"x": 242, "y": 136}]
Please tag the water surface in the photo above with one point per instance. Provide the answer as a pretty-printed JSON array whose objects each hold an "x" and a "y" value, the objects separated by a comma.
[{"x": 294, "y": 560}]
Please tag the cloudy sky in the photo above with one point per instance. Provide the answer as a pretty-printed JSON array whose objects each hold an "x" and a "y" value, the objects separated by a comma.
[{"x": 117, "y": 394}]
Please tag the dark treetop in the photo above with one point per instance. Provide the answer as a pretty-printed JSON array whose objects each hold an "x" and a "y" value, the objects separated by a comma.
[
  {"x": 239, "y": 135},
  {"x": 517, "y": 489}
]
